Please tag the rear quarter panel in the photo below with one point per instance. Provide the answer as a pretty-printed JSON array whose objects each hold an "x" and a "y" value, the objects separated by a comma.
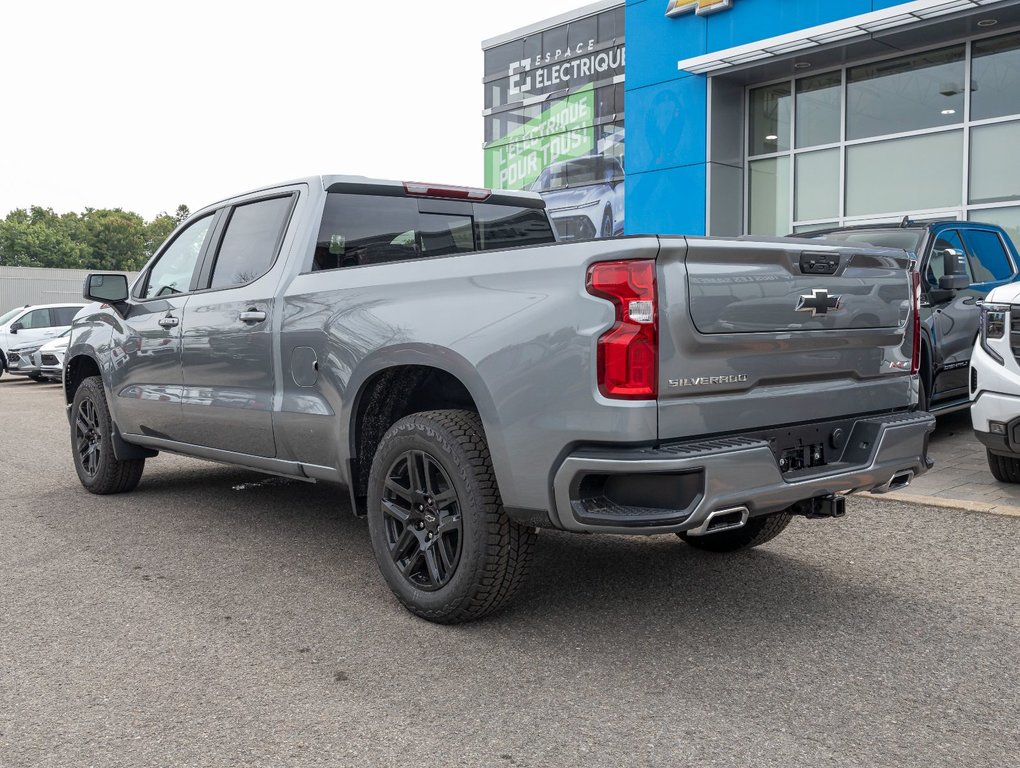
[{"x": 517, "y": 327}]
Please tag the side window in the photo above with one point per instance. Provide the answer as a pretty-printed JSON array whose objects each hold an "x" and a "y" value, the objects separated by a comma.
[
  {"x": 366, "y": 229},
  {"x": 64, "y": 315},
  {"x": 174, "y": 269},
  {"x": 948, "y": 238},
  {"x": 988, "y": 258},
  {"x": 37, "y": 318},
  {"x": 250, "y": 242}
]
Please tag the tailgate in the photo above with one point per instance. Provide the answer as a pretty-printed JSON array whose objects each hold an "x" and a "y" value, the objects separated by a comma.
[{"x": 759, "y": 333}]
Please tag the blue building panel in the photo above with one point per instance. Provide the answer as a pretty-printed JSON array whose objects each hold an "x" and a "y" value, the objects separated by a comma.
[
  {"x": 667, "y": 110},
  {"x": 668, "y": 202},
  {"x": 669, "y": 132},
  {"x": 655, "y": 44}
]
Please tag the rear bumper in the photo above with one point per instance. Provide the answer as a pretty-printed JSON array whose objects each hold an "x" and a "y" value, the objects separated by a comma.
[{"x": 678, "y": 487}]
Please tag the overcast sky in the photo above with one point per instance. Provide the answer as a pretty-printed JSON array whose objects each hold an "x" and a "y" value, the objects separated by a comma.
[{"x": 146, "y": 104}]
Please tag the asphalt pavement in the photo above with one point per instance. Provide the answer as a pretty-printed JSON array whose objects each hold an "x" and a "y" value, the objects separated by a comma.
[{"x": 217, "y": 617}]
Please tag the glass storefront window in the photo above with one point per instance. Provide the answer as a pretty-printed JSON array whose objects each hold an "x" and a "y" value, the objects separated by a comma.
[
  {"x": 906, "y": 94},
  {"x": 770, "y": 119},
  {"x": 995, "y": 163},
  {"x": 995, "y": 77},
  {"x": 908, "y": 174},
  {"x": 817, "y": 185},
  {"x": 770, "y": 196},
  {"x": 818, "y": 109}
]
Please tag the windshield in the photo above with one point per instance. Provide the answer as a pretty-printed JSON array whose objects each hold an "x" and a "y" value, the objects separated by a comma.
[
  {"x": 906, "y": 239},
  {"x": 12, "y": 314}
]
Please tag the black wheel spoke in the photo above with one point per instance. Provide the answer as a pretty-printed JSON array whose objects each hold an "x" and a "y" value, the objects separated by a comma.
[
  {"x": 412, "y": 562},
  {"x": 432, "y": 563},
  {"x": 449, "y": 524},
  {"x": 405, "y": 541},
  {"x": 415, "y": 470},
  {"x": 448, "y": 558},
  {"x": 444, "y": 499},
  {"x": 397, "y": 489},
  {"x": 396, "y": 511}
]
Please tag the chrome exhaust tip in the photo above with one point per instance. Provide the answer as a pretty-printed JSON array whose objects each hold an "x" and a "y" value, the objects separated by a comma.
[
  {"x": 721, "y": 520},
  {"x": 896, "y": 482}
]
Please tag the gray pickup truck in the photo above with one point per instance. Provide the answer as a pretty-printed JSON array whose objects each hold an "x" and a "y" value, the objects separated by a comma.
[{"x": 470, "y": 380}]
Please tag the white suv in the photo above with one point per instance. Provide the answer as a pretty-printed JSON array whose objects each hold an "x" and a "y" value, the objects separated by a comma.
[
  {"x": 995, "y": 382},
  {"x": 33, "y": 323}
]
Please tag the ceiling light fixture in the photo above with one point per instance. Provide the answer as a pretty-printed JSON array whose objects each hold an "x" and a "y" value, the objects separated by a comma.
[
  {"x": 988, "y": 22},
  {"x": 772, "y": 137},
  {"x": 948, "y": 111},
  {"x": 802, "y": 65}
]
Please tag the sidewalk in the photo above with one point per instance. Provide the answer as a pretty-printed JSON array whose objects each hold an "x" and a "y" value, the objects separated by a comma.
[{"x": 961, "y": 477}]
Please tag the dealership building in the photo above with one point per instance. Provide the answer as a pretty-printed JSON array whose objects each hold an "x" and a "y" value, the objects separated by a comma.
[{"x": 763, "y": 116}]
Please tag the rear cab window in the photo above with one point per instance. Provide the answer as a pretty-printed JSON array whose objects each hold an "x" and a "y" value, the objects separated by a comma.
[{"x": 360, "y": 229}]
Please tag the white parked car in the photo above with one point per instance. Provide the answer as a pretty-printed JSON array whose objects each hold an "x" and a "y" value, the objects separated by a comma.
[
  {"x": 995, "y": 382},
  {"x": 41, "y": 323},
  {"x": 49, "y": 358}
]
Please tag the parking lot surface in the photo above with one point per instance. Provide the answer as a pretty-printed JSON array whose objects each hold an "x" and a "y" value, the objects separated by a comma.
[{"x": 217, "y": 617}]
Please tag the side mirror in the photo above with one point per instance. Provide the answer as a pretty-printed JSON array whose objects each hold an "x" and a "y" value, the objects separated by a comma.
[
  {"x": 16, "y": 327},
  {"x": 955, "y": 274},
  {"x": 108, "y": 289}
]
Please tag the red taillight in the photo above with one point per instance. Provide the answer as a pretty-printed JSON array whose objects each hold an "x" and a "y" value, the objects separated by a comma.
[
  {"x": 915, "y": 359},
  {"x": 455, "y": 193},
  {"x": 628, "y": 353}
]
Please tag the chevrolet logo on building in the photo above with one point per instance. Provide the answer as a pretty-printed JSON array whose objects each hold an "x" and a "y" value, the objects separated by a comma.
[{"x": 700, "y": 7}]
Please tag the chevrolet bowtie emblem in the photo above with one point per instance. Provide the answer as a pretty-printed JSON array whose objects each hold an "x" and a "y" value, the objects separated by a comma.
[
  {"x": 819, "y": 302},
  {"x": 700, "y": 7}
]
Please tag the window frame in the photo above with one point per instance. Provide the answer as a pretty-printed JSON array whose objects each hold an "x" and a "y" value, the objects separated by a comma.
[{"x": 210, "y": 256}]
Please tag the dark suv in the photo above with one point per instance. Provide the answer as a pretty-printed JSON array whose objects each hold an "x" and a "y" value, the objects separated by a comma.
[{"x": 959, "y": 263}]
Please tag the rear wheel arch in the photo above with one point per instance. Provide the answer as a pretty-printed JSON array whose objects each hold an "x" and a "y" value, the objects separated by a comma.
[{"x": 389, "y": 395}]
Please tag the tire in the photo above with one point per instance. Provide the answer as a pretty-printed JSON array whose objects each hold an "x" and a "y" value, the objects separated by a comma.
[
  {"x": 92, "y": 443},
  {"x": 607, "y": 223},
  {"x": 441, "y": 538},
  {"x": 36, "y": 377},
  {"x": 1005, "y": 469},
  {"x": 755, "y": 532}
]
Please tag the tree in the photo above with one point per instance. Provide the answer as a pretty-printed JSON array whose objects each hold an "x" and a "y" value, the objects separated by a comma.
[
  {"x": 38, "y": 237},
  {"x": 115, "y": 239},
  {"x": 100, "y": 238}
]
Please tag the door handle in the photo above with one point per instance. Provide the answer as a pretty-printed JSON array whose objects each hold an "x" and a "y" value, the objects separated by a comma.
[
  {"x": 253, "y": 316},
  {"x": 168, "y": 322}
]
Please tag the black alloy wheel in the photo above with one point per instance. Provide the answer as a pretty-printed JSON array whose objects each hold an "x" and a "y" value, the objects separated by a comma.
[
  {"x": 424, "y": 527},
  {"x": 92, "y": 438},
  {"x": 88, "y": 438},
  {"x": 441, "y": 537}
]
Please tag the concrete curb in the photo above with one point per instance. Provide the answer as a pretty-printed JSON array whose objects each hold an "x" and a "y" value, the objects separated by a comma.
[{"x": 1003, "y": 510}]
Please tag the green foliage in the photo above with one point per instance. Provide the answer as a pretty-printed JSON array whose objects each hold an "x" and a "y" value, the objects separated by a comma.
[{"x": 99, "y": 238}]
